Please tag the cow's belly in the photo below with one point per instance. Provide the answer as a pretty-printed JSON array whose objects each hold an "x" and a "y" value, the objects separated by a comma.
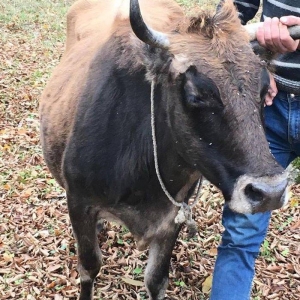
[
  {"x": 57, "y": 112},
  {"x": 58, "y": 106}
]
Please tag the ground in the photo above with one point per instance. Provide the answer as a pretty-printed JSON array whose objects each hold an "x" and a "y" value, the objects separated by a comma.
[{"x": 37, "y": 249}]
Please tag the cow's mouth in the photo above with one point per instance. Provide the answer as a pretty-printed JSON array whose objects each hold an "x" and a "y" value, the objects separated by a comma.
[{"x": 259, "y": 194}]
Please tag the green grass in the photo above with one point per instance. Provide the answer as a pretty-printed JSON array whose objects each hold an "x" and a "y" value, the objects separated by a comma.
[
  {"x": 32, "y": 11},
  {"x": 30, "y": 16},
  {"x": 19, "y": 15},
  {"x": 204, "y": 3},
  {"x": 296, "y": 164}
]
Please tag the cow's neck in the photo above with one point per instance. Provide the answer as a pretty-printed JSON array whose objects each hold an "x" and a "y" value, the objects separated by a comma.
[{"x": 186, "y": 178}]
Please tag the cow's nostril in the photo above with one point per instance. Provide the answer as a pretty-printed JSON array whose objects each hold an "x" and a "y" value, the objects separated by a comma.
[
  {"x": 254, "y": 193},
  {"x": 260, "y": 194}
]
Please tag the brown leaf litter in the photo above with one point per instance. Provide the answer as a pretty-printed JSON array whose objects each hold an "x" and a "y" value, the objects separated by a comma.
[{"x": 37, "y": 249}]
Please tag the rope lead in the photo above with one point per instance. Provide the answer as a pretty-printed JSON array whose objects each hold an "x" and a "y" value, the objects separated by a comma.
[{"x": 184, "y": 214}]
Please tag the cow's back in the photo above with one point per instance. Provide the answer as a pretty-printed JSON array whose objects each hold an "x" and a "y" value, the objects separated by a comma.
[
  {"x": 90, "y": 24},
  {"x": 87, "y": 18},
  {"x": 91, "y": 18}
]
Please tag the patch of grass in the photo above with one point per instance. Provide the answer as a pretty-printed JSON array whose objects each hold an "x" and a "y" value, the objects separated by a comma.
[
  {"x": 266, "y": 251},
  {"x": 296, "y": 165},
  {"x": 199, "y": 3},
  {"x": 41, "y": 20},
  {"x": 284, "y": 225},
  {"x": 179, "y": 283}
]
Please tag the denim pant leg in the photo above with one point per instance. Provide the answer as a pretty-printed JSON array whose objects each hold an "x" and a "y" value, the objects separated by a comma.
[
  {"x": 243, "y": 235},
  {"x": 241, "y": 240}
]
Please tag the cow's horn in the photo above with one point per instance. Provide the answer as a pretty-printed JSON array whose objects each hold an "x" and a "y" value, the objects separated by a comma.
[
  {"x": 252, "y": 29},
  {"x": 142, "y": 31}
]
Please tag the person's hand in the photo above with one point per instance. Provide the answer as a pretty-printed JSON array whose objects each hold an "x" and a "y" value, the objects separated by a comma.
[
  {"x": 274, "y": 35},
  {"x": 272, "y": 91}
]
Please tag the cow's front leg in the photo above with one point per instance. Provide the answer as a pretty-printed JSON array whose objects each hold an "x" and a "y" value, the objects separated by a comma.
[
  {"x": 157, "y": 271},
  {"x": 84, "y": 223}
]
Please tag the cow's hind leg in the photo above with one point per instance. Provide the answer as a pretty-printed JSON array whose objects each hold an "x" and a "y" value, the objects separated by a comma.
[
  {"x": 84, "y": 223},
  {"x": 157, "y": 271}
]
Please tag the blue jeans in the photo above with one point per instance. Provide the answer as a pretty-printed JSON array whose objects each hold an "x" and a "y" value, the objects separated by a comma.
[{"x": 243, "y": 235}]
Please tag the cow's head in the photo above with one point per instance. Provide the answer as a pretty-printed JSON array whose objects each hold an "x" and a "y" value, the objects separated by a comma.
[{"x": 214, "y": 92}]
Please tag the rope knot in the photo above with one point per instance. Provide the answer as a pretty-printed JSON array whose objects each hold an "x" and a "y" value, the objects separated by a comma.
[{"x": 185, "y": 215}]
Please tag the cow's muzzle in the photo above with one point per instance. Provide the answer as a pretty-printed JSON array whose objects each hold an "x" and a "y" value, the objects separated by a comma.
[{"x": 259, "y": 194}]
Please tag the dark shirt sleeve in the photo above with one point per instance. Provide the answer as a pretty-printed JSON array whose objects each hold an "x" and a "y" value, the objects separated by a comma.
[{"x": 247, "y": 9}]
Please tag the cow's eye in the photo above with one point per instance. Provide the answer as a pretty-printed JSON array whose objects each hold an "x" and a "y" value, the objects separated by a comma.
[
  {"x": 199, "y": 91},
  {"x": 195, "y": 101}
]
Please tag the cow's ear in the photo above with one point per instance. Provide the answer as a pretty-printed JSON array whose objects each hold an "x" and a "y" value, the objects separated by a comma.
[{"x": 199, "y": 91}]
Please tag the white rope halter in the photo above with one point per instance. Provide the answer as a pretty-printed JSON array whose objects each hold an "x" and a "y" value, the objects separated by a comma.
[{"x": 185, "y": 212}]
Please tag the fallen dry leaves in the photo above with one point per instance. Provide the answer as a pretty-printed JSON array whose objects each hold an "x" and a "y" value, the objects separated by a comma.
[{"x": 37, "y": 249}]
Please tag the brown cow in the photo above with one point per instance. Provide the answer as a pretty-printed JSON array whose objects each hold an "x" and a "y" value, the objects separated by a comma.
[{"x": 208, "y": 89}]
